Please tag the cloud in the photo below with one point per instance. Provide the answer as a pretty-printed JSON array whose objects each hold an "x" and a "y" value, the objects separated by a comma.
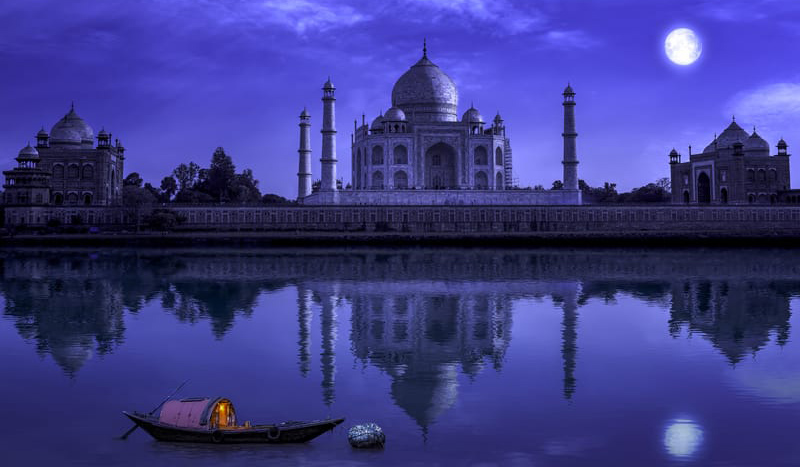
[
  {"x": 300, "y": 16},
  {"x": 746, "y": 10},
  {"x": 506, "y": 17},
  {"x": 774, "y": 106},
  {"x": 571, "y": 39}
]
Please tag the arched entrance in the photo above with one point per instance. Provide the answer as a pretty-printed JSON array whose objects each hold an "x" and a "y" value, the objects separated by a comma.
[
  {"x": 723, "y": 194},
  {"x": 703, "y": 189},
  {"x": 440, "y": 167},
  {"x": 686, "y": 197}
]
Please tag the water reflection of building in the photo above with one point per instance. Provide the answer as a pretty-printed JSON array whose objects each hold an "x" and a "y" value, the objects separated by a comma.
[
  {"x": 736, "y": 317},
  {"x": 422, "y": 340},
  {"x": 70, "y": 316}
]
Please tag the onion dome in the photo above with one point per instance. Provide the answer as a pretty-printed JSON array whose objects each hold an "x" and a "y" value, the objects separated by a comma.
[
  {"x": 28, "y": 152},
  {"x": 673, "y": 152},
  {"x": 426, "y": 92},
  {"x": 102, "y": 134},
  {"x": 498, "y": 118},
  {"x": 377, "y": 124},
  {"x": 42, "y": 133},
  {"x": 328, "y": 84},
  {"x": 734, "y": 133},
  {"x": 304, "y": 113},
  {"x": 756, "y": 143},
  {"x": 394, "y": 115},
  {"x": 71, "y": 129},
  {"x": 472, "y": 116},
  {"x": 568, "y": 90},
  {"x": 782, "y": 144}
]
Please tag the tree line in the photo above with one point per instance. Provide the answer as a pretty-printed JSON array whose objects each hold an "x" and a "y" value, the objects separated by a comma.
[{"x": 657, "y": 192}]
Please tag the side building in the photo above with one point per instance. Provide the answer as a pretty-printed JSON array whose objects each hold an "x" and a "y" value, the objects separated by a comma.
[
  {"x": 66, "y": 168},
  {"x": 735, "y": 168}
]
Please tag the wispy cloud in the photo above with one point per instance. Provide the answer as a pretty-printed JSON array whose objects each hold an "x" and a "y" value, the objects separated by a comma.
[
  {"x": 774, "y": 108},
  {"x": 746, "y": 10},
  {"x": 568, "y": 39},
  {"x": 505, "y": 17},
  {"x": 300, "y": 16}
]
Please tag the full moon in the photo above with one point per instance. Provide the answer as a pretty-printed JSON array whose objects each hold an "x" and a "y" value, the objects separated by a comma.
[{"x": 683, "y": 46}]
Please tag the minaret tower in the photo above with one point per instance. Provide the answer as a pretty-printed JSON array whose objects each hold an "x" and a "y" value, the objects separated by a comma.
[
  {"x": 570, "y": 150},
  {"x": 328, "y": 158},
  {"x": 304, "y": 172}
]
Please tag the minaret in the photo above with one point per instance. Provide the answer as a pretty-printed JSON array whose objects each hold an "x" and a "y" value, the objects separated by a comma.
[
  {"x": 328, "y": 158},
  {"x": 570, "y": 150},
  {"x": 304, "y": 172}
]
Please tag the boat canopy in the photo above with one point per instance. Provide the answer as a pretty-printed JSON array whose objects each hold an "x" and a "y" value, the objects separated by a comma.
[{"x": 198, "y": 412}]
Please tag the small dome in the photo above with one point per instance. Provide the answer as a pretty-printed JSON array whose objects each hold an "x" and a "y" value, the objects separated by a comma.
[
  {"x": 41, "y": 134},
  {"x": 377, "y": 124},
  {"x": 756, "y": 143},
  {"x": 304, "y": 113},
  {"x": 498, "y": 118},
  {"x": 28, "y": 152},
  {"x": 472, "y": 116},
  {"x": 102, "y": 133},
  {"x": 394, "y": 115},
  {"x": 72, "y": 129},
  {"x": 328, "y": 84},
  {"x": 673, "y": 152},
  {"x": 782, "y": 144},
  {"x": 568, "y": 90}
]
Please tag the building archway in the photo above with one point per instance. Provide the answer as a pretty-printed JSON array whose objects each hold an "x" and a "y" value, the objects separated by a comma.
[
  {"x": 703, "y": 188},
  {"x": 481, "y": 156},
  {"x": 498, "y": 156},
  {"x": 481, "y": 181},
  {"x": 723, "y": 195},
  {"x": 498, "y": 182},
  {"x": 400, "y": 154},
  {"x": 400, "y": 180},
  {"x": 440, "y": 167},
  {"x": 58, "y": 199},
  {"x": 87, "y": 199},
  {"x": 685, "y": 197},
  {"x": 377, "y": 180}
]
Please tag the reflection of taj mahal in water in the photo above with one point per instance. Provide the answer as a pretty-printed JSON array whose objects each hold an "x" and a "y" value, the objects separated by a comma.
[
  {"x": 422, "y": 318},
  {"x": 420, "y": 152}
]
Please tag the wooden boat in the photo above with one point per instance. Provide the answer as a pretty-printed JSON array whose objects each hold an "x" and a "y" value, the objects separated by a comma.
[{"x": 213, "y": 420}]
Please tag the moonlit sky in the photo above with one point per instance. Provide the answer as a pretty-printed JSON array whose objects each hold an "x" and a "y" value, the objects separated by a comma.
[{"x": 174, "y": 79}]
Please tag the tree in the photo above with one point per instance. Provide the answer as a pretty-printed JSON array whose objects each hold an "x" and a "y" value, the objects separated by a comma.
[
  {"x": 221, "y": 175},
  {"x": 186, "y": 175},
  {"x": 557, "y": 185},
  {"x": 133, "y": 179},
  {"x": 665, "y": 184},
  {"x": 168, "y": 186},
  {"x": 244, "y": 188},
  {"x": 270, "y": 198},
  {"x": 137, "y": 201}
]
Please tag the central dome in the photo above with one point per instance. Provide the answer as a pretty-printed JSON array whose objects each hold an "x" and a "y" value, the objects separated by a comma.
[
  {"x": 426, "y": 93},
  {"x": 72, "y": 129}
]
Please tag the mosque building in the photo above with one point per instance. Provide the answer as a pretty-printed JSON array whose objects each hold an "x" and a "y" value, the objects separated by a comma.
[
  {"x": 421, "y": 152},
  {"x": 735, "y": 168},
  {"x": 66, "y": 168}
]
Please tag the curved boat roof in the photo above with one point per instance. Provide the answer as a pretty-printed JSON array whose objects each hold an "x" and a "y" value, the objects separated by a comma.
[{"x": 193, "y": 412}]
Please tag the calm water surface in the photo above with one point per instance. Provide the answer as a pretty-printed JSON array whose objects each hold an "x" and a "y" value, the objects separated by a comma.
[{"x": 464, "y": 357}]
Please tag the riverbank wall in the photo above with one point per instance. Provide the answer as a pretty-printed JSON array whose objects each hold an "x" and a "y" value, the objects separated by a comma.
[{"x": 501, "y": 225}]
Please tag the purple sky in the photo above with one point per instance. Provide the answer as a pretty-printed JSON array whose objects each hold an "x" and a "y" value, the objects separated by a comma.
[{"x": 174, "y": 79}]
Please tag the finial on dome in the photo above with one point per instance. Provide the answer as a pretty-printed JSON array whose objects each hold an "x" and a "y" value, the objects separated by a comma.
[
  {"x": 424, "y": 47},
  {"x": 734, "y": 118}
]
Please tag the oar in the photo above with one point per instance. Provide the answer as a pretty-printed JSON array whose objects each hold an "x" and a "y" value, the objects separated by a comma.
[{"x": 125, "y": 436}]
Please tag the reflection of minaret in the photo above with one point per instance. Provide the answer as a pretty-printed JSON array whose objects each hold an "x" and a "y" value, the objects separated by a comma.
[
  {"x": 328, "y": 360},
  {"x": 304, "y": 322},
  {"x": 569, "y": 346}
]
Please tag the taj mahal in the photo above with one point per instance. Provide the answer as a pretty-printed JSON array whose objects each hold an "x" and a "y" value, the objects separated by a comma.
[{"x": 419, "y": 152}]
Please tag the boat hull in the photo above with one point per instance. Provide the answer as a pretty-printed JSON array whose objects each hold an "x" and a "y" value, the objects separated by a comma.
[{"x": 288, "y": 432}]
